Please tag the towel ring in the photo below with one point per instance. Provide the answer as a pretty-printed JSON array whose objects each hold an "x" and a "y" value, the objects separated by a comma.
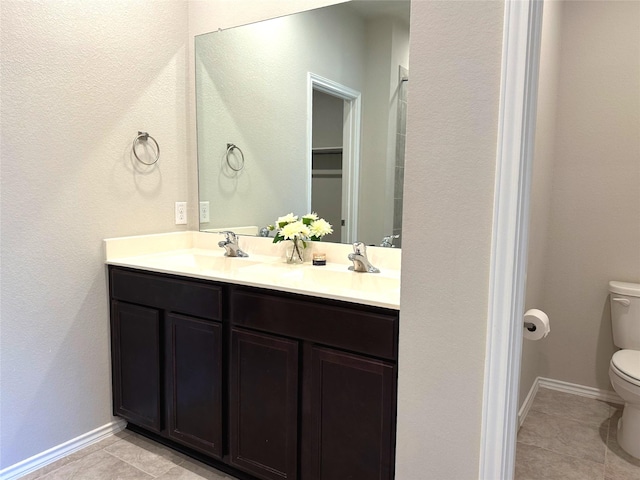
[
  {"x": 145, "y": 136},
  {"x": 230, "y": 148}
]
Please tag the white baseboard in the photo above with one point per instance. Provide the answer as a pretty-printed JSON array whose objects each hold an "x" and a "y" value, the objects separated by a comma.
[
  {"x": 566, "y": 387},
  {"x": 49, "y": 456},
  {"x": 575, "y": 389},
  {"x": 528, "y": 401}
]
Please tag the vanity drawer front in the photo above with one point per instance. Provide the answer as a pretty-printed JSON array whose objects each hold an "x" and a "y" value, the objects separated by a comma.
[
  {"x": 176, "y": 295},
  {"x": 351, "y": 329}
]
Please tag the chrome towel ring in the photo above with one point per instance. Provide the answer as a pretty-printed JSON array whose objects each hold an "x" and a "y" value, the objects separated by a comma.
[
  {"x": 230, "y": 148},
  {"x": 144, "y": 136}
]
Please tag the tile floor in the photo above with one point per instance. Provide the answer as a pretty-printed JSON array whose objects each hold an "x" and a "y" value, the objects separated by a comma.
[
  {"x": 569, "y": 437},
  {"x": 564, "y": 437},
  {"x": 127, "y": 456}
]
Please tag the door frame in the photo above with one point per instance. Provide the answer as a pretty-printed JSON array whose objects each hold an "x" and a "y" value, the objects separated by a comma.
[
  {"x": 516, "y": 131},
  {"x": 350, "y": 148}
]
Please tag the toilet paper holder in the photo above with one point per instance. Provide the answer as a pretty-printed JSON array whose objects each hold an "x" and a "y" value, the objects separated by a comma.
[{"x": 536, "y": 324}]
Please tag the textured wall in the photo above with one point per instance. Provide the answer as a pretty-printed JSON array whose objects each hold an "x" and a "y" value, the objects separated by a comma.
[
  {"x": 79, "y": 79},
  {"x": 594, "y": 226},
  {"x": 449, "y": 185}
]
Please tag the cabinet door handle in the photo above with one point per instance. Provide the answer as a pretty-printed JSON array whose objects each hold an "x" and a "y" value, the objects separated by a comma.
[{"x": 624, "y": 301}]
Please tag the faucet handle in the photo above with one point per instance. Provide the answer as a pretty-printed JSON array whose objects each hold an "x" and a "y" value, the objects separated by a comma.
[
  {"x": 359, "y": 248},
  {"x": 230, "y": 236},
  {"x": 387, "y": 241}
]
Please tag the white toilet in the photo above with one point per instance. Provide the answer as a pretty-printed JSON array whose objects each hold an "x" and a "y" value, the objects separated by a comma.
[{"x": 624, "y": 368}]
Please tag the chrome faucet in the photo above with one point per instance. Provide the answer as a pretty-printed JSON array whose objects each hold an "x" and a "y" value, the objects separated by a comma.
[
  {"x": 230, "y": 244},
  {"x": 388, "y": 241},
  {"x": 360, "y": 261}
]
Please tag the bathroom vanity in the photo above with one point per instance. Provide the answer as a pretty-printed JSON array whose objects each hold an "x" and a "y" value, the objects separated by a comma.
[{"x": 265, "y": 383}]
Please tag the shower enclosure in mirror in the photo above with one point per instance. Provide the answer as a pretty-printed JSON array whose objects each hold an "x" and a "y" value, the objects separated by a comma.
[{"x": 306, "y": 113}]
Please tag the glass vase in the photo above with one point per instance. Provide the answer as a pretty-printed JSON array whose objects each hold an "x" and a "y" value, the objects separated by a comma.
[{"x": 295, "y": 251}]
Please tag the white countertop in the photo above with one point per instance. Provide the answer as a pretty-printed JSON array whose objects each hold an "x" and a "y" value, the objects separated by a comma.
[{"x": 197, "y": 255}]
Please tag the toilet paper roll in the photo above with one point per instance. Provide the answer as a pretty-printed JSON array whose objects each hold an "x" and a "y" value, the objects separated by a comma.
[{"x": 536, "y": 324}]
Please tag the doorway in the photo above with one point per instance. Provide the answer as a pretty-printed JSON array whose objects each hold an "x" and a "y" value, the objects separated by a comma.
[
  {"x": 334, "y": 155},
  {"x": 326, "y": 161},
  {"x": 516, "y": 129}
]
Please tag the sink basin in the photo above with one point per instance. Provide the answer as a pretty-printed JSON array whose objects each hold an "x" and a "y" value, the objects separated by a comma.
[
  {"x": 322, "y": 277},
  {"x": 200, "y": 262}
]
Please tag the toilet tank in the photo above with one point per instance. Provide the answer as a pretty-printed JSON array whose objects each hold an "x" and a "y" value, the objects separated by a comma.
[{"x": 625, "y": 314}]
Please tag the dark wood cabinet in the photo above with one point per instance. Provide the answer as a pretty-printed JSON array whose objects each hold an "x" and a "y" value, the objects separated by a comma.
[
  {"x": 263, "y": 384},
  {"x": 194, "y": 356},
  {"x": 352, "y": 404},
  {"x": 347, "y": 395},
  {"x": 264, "y": 404},
  {"x": 167, "y": 357},
  {"x": 135, "y": 343}
]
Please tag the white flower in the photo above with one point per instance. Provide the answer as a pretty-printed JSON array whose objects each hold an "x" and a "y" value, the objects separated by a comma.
[
  {"x": 290, "y": 218},
  {"x": 320, "y": 228},
  {"x": 307, "y": 227},
  {"x": 295, "y": 229}
]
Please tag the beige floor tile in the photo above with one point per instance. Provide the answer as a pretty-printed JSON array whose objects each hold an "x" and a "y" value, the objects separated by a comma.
[
  {"x": 534, "y": 463},
  {"x": 193, "y": 470},
  {"x": 97, "y": 466},
  {"x": 571, "y": 406},
  {"x": 565, "y": 436},
  {"x": 147, "y": 455}
]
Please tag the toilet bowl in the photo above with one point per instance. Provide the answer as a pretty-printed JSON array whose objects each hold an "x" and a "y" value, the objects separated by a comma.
[
  {"x": 624, "y": 368},
  {"x": 624, "y": 373}
]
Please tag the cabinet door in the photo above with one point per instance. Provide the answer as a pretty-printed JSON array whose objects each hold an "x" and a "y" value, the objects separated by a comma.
[
  {"x": 352, "y": 409},
  {"x": 264, "y": 405},
  {"x": 135, "y": 343},
  {"x": 194, "y": 360}
]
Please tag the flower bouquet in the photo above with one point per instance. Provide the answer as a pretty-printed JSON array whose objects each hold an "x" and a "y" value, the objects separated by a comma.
[{"x": 299, "y": 231}]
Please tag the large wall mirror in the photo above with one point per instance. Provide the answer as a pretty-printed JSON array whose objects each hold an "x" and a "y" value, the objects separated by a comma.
[{"x": 304, "y": 113}]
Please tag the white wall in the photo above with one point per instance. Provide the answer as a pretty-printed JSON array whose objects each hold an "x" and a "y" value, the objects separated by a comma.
[
  {"x": 79, "y": 79},
  {"x": 448, "y": 206},
  {"x": 587, "y": 199}
]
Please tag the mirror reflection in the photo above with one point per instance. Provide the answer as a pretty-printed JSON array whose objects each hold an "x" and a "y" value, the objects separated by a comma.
[{"x": 306, "y": 113}]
